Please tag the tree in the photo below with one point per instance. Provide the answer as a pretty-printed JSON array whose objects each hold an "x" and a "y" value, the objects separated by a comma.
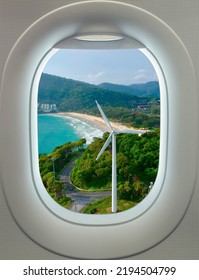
[{"x": 137, "y": 164}]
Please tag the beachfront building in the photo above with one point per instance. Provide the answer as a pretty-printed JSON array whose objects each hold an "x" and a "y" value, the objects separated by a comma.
[{"x": 47, "y": 108}]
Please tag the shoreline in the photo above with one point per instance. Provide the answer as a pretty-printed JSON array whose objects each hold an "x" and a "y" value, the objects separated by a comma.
[{"x": 94, "y": 121}]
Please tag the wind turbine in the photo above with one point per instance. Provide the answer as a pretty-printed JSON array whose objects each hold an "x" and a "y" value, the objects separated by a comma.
[{"x": 112, "y": 137}]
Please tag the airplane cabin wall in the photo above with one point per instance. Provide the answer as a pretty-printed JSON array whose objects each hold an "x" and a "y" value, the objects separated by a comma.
[{"x": 182, "y": 16}]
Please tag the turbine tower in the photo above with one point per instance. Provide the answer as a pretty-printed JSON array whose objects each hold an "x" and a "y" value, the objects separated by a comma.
[{"x": 112, "y": 137}]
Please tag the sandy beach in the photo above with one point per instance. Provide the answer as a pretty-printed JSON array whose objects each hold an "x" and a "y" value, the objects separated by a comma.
[{"x": 94, "y": 121}]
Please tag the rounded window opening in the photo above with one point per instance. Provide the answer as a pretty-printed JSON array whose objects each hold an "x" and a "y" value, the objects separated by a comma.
[{"x": 98, "y": 129}]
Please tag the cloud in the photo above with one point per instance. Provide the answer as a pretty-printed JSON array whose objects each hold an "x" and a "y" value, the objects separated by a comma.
[
  {"x": 140, "y": 75},
  {"x": 95, "y": 78},
  {"x": 143, "y": 76}
]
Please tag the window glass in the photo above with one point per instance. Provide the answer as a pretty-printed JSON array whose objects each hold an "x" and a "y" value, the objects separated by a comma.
[{"x": 98, "y": 129}]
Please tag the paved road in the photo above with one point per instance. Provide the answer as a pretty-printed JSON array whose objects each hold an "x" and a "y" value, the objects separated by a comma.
[
  {"x": 67, "y": 170},
  {"x": 79, "y": 199}
]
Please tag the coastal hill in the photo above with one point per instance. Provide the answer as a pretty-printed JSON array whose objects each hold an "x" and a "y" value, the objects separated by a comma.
[
  {"x": 72, "y": 95},
  {"x": 139, "y": 107},
  {"x": 150, "y": 90}
]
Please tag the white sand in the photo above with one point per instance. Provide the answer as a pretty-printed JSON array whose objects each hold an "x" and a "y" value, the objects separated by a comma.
[{"x": 94, "y": 121}]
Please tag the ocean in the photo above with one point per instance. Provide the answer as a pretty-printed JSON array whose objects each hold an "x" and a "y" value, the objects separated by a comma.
[{"x": 56, "y": 130}]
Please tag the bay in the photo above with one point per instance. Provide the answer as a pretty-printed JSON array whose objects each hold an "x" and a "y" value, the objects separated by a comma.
[{"x": 54, "y": 131}]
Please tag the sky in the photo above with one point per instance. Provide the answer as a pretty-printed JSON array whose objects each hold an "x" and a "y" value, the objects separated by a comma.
[{"x": 125, "y": 66}]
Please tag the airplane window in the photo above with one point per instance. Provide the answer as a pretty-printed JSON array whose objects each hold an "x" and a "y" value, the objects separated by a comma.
[
  {"x": 35, "y": 211},
  {"x": 98, "y": 129}
]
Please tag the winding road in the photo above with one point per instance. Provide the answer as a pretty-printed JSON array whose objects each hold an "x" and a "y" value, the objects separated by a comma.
[{"x": 79, "y": 198}]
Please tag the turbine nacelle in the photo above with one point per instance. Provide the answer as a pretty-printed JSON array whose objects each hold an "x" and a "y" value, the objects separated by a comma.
[{"x": 114, "y": 131}]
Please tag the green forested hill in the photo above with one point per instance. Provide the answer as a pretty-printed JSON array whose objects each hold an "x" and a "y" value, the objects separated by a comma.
[
  {"x": 71, "y": 95},
  {"x": 150, "y": 90},
  {"x": 76, "y": 96},
  {"x": 137, "y": 165}
]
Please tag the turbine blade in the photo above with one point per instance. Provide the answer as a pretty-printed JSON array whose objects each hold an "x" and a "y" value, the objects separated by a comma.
[
  {"x": 104, "y": 116},
  {"x": 108, "y": 141},
  {"x": 131, "y": 131}
]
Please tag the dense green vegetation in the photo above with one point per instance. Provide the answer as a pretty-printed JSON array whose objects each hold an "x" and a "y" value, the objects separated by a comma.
[
  {"x": 103, "y": 206},
  {"x": 149, "y": 90},
  {"x": 60, "y": 157},
  {"x": 71, "y": 95},
  {"x": 137, "y": 165},
  {"x": 137, "y": 157},
  {"x": 118, "y": 103},
  {"x": 133, "y": 118}
]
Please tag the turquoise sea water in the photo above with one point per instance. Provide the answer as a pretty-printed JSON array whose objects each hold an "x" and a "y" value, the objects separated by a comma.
[{"x": 54, "y": 131}]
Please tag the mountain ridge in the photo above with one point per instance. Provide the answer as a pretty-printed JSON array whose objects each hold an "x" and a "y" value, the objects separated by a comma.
[
  {"x": 69, "y": 95},
  {"x": 75, "y": 95},
  {"x": 149, "y": 89}
]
